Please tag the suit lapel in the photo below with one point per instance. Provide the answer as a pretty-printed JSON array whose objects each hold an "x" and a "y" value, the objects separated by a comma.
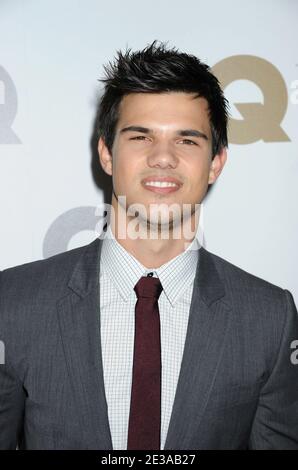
[
  {"x": 209, "y": 320},
  {"x": 79, "y": 320}
]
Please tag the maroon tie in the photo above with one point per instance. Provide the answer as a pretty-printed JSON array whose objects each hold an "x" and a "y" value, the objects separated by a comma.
[{"x": 145, "y": 405}]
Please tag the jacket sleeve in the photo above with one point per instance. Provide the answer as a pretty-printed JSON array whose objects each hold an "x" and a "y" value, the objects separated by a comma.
[
  {"x": 275, "y": 424},
  {"x": 12, "y": 403},
  {"x": 12, "y": 399}
]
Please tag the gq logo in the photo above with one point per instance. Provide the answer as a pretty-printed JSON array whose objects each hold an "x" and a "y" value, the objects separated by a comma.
[
  {"x": 8, "y": 108},
  {"x": 260, "y": 120}
]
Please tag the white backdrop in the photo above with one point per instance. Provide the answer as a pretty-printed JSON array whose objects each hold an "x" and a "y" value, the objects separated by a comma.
[{"x": 51, "y": 55}]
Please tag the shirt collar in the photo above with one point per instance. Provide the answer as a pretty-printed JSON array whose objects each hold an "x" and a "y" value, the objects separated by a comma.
[{"x": 124, "y": 270}]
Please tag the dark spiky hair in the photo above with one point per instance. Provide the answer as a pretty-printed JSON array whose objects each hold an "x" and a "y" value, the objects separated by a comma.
[{"x": 158, "y": 69}]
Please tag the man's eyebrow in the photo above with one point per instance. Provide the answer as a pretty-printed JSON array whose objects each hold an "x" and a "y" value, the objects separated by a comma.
[
  {"x": 181, "y": 132},
  {"x": 192, "y": 132}
]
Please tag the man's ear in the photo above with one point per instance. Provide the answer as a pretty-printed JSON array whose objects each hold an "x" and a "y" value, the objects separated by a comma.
[
  {"x": 217, "y": 165},
  {"x": 105, "y": 157}
]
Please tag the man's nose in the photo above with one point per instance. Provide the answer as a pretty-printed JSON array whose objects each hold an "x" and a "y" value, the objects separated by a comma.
[{"x": 162, "y": 154}]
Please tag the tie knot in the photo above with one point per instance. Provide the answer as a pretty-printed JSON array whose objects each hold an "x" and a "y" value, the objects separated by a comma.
[{"x": 148, "y": 287}]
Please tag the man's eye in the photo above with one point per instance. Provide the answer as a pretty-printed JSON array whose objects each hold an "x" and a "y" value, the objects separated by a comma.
[
  {"x": 138, "y": 137},
  {"x": 189, "y": 141}
]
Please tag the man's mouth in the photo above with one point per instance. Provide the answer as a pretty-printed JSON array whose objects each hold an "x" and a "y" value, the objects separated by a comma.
[{"x": 163, "y": 185}]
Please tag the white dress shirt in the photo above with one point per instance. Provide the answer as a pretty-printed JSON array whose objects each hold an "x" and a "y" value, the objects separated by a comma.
[{"x": 119, "y": 273}]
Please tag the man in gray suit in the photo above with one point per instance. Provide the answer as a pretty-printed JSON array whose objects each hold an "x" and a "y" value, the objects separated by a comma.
[{"x": 228, "y": 377}]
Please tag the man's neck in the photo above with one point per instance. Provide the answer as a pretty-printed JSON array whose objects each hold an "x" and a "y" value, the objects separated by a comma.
[{"x": 153, "y": 252}]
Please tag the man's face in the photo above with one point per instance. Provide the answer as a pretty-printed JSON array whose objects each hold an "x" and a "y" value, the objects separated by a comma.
[{"x": 154, "y": 149}]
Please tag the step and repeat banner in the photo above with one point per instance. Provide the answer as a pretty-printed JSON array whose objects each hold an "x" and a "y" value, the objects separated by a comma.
[{"x": 51, "y": 185}]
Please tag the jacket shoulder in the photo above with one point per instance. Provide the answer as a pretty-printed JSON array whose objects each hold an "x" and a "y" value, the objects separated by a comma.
[
  {"x": 54, "y": 270},
  {"x": 231, "y": 273}
]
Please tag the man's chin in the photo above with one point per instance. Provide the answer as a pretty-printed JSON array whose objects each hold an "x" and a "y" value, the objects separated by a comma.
[{"x": 161, "y": 226}]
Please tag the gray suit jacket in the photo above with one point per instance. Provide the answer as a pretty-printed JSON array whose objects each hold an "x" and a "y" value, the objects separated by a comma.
[{"x": 237, "y": 389}]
